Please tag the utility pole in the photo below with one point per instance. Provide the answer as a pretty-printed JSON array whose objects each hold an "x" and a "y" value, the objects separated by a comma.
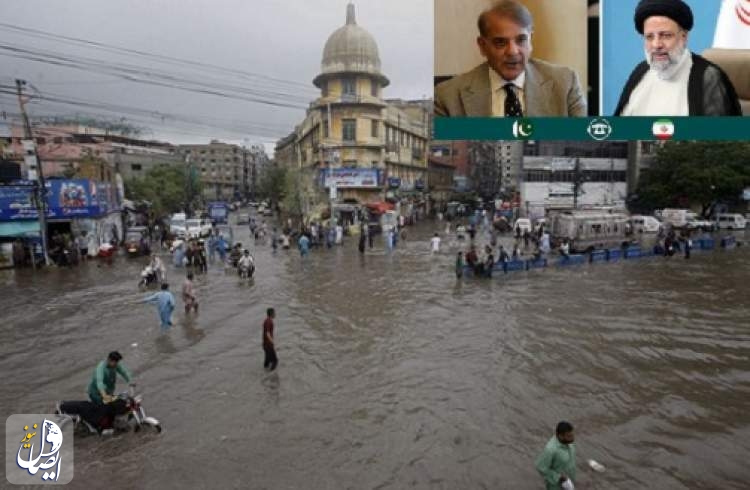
[{"x": 41, "y": 193}]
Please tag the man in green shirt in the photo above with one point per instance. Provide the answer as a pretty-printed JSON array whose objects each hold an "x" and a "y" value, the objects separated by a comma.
[
  {"x": 102, "y": 385},
  {"x": 557, "y": 463}
]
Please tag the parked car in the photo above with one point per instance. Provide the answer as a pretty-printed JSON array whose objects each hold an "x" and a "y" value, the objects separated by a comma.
[
  {"x": 731, "y": 221},
  {"x": 524, "y": 224},
  {"x": 193, "y": 228},
  {"x": 700, "y": 224},
  {"x": 243, "y": 218},
  {"x": 206, "y": 227},
  {"x": 177, "y": 225},
  {"x": 644, "y": 224}
]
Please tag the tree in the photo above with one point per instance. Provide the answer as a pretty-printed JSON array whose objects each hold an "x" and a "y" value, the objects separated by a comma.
[
  {"x": 272, "y": 182},
  {"x": 695, "y": 173},
  {"x": 165, "y": 187}
]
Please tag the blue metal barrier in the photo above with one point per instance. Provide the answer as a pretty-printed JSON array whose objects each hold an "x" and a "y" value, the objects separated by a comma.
[
  {"x": 536, "y": 264},
  {"x": 614, "y": 254},
  {"x": 598, "y": 256},
  {"x": 571, "y": 260},
  {"x": 633, "y": 253},
  {"x": 728, "y": 242}
]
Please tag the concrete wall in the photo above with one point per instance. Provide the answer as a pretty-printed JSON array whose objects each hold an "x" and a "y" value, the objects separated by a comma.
[{"x": 560, "y": 34}]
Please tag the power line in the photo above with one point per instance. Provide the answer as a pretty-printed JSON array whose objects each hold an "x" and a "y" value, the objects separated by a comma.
[
  {"x": 150, "y": 76},
  {"x": 118, "y": 49}
]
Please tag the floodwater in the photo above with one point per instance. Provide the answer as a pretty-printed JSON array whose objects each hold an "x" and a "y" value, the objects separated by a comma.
[{"x": 394, "y": 375}]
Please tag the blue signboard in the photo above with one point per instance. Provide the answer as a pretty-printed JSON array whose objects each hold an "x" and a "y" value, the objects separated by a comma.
[
  {"x": 419, "y": 184},
  {"x": 68, "y": 198},
  {"x": 394, "y": 182}
]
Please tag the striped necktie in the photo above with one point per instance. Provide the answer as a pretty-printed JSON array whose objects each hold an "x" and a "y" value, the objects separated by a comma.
[{"x": 512, "y": 104}]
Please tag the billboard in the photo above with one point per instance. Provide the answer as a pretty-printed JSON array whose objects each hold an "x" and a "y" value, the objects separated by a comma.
[
  {"x": 68, "y": 198},
  {"x": 345, "y": 178}
]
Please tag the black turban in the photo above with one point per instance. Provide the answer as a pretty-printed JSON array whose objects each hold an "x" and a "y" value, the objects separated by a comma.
[{"x": 677, "y": 10}]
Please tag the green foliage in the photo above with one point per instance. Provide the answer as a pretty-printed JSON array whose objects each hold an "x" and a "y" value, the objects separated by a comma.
[
  {"x": 695, "y": 173},
  {"x": 166, "y": 188},
  {"x": 272, "y": 182}
]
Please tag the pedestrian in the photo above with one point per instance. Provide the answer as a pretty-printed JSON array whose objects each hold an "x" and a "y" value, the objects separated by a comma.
[
  {"x": 339, "y": 234},
  {"x": 269, "y": 347},
  {"x": 526, "y": 238},
  {"x": 164, "y": 301},
  {"x": 275, "y": 240},
  {"x": 370, "y": 236},
  {"x": 83, "y": 245},
  {"x": 435, "y": 243},
  {"x": 304, "y": 245},
  {"x": 285, "y": 241},
  {"x": 557, "y": 463},
  {"x": 188, "y": 294},
  {"x": 502, "y": 256},
  {"x": 688, "y": 246},
  {"x": 459, "y": 265},
  {"x": 489, "y": 262},
  {"x": 362, "y": 242}
]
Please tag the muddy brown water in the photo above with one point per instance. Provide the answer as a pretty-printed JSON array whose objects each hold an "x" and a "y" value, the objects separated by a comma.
[{"x": 393, "y": 374}]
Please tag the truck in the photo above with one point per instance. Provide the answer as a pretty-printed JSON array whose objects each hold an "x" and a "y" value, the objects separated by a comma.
[
  {"x": 678, "y": 218},
  {"x": 218, "y": 212}
]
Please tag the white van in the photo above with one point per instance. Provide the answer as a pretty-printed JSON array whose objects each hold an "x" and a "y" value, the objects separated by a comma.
[
  {"x": 177, "y": 225},
  {"x": 731, "y": 221},
  {"x": 644, "y": 224}
]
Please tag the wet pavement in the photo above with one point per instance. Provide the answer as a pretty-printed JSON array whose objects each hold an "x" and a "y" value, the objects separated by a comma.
[{"x": 393, "y": 374}]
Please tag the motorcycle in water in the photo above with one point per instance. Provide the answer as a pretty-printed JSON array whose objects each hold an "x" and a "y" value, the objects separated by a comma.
[
  {"x": 148, "y": 277},
  {"x": 128, "y": 408}
]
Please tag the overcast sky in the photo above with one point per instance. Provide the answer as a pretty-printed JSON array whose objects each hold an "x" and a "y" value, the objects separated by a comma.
[{"x": 272, "y": 38}]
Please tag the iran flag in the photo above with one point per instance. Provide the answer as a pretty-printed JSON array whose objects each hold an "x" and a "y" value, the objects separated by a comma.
[
  {"x": 663, "y": 129},
  {"x": 733, "y": 25}
]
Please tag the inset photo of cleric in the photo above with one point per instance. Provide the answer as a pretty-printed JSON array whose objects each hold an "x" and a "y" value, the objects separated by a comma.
[{"x": 675, "y": 58}]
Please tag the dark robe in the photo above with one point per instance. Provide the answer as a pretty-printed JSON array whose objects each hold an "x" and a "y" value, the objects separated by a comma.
[{"x": 710, "y": 93}]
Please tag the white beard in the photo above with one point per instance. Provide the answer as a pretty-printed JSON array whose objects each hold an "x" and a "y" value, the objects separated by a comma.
[{"x": 667, "y": 69}]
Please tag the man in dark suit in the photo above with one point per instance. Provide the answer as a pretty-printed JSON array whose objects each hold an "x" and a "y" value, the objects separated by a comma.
[{"x": 510, "y": 83}]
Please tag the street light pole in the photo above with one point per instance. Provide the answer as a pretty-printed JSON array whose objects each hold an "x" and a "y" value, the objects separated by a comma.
[{"x": 41, "y": 194}]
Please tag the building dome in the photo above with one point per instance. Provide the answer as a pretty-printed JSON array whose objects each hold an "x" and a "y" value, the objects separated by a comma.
[{"x": 350, "y": 49}]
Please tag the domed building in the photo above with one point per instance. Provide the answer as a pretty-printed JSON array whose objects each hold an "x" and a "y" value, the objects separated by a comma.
[{"x": 371, "y": 148}]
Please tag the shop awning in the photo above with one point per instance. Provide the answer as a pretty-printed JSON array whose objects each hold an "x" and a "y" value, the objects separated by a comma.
[
  {"x": 380, "y": 207},
  {"x": 19, "y": 228}
]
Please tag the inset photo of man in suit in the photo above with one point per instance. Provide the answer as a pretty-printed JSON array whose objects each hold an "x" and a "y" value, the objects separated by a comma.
[{"x": 510, "y": 82}]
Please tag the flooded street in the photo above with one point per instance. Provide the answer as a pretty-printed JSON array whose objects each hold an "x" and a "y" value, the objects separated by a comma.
[{"x": 393, "y": 374}]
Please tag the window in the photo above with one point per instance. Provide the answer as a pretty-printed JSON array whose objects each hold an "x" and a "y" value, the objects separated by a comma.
[
  {"x": 373, "y": 88},
  {"x": 349, "y": 86},
  {"x": 374, "y": 128},
  {"x": 57, "y": 139},
  {"x": 402, "y": 138},
  {"x": 349, "y": 129},
  {"x": 325, "y": 128},
  {"x": 135, "y": 167}
]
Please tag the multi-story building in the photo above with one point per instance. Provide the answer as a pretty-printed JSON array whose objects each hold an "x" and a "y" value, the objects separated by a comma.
[
  {"x": 495, "y": 167},
  {"x": 569, "y": 174},
  {"x": 641, "y": 155},
  {"x": 227, "y": 171},
  {"x": 352, "y": 138}
]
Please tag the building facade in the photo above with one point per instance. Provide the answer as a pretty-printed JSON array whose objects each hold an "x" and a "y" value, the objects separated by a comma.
[
  {"x": 227, "y": 171},
  {"x": 351, "y": 138},
  {"x": 570, "y": 175}
]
